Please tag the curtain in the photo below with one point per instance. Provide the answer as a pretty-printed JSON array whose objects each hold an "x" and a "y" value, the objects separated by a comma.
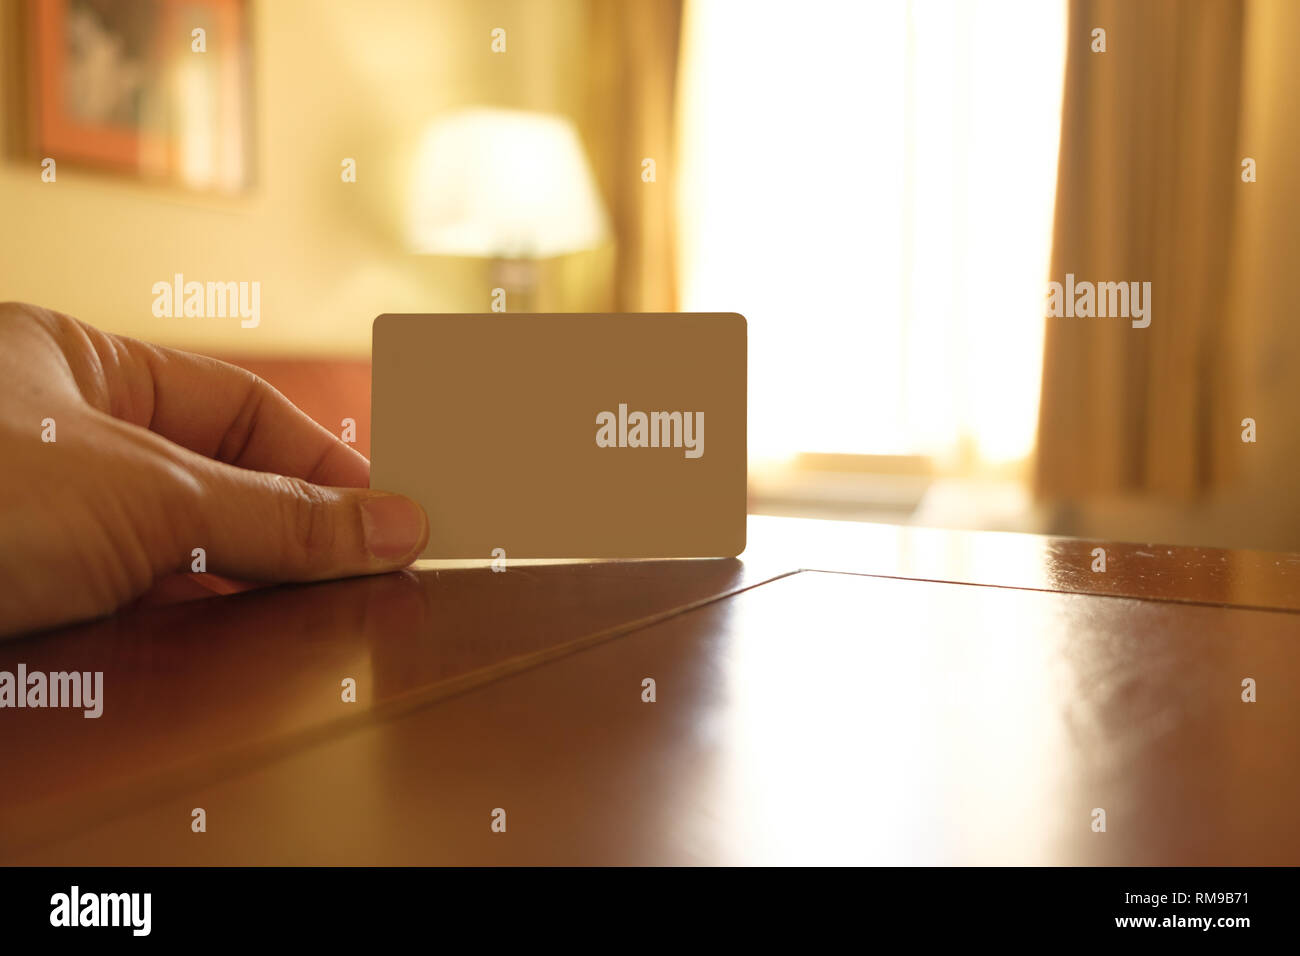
[
  {"x": 1148, "y": 182},
  {"x": 631, "y": 63}
]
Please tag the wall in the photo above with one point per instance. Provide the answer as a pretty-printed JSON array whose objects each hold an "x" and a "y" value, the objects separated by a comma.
[{"x": 357, "y": 78}]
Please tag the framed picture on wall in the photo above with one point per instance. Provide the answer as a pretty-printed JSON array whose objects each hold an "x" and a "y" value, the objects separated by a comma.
[{"x": 158, "y": 89}]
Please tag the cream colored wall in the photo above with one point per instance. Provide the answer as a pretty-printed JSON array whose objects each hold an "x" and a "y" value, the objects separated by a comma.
[{"x": 357, "y": 78}]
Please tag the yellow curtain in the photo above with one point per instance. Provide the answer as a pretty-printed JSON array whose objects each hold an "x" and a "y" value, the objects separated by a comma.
[
  {"x": 1149, "y": 180},
  {"x": 631, "y": 62}
]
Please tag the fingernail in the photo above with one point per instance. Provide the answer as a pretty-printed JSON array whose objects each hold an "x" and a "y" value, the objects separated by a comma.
[{"x": 393, "y": 525}]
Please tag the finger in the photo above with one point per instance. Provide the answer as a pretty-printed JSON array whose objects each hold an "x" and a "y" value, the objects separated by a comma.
[
  {"x": 223, "y": 412},
  {"x": 258, "y": 526},
  {"x": 181, "y": 587}
]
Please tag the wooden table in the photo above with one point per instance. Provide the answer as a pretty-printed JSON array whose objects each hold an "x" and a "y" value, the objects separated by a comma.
[{"x": 844, "y": 693}]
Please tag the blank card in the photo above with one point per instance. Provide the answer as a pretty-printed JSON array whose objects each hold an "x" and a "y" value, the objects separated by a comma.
[{"x": 565, "y": 436}]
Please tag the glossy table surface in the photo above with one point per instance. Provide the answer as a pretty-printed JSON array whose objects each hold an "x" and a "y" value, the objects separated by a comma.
[{"x": 843, "y": 693}]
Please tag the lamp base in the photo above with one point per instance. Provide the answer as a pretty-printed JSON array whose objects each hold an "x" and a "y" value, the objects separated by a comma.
[{"x": 518, "y": 280}]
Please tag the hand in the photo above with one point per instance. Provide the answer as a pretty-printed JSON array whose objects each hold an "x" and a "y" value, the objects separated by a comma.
[{"x": 157, "y": 452}]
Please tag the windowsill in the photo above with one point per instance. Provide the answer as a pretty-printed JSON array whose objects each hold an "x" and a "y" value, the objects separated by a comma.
[{"x": 903, "y": 491}]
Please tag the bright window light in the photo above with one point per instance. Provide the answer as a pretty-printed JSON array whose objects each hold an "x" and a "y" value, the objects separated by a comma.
[{"x": 872, "y": 185}]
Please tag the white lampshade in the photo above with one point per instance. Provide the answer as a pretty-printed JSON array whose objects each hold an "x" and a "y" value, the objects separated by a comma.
[{"x": 504, "y": 184}]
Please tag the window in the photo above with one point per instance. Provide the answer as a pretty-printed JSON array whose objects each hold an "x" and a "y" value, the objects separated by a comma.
[{"x": 872, "y": 185}]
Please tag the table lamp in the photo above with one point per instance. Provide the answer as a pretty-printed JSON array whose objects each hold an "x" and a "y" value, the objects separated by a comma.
[{"x": 507, "y": 185}]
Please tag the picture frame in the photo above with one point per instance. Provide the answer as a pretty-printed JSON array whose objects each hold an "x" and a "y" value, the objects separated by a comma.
[{"x": 156, "y": 89}]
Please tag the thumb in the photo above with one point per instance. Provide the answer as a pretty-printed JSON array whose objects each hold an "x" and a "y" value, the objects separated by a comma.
[{"x": 268, "y": 527}]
